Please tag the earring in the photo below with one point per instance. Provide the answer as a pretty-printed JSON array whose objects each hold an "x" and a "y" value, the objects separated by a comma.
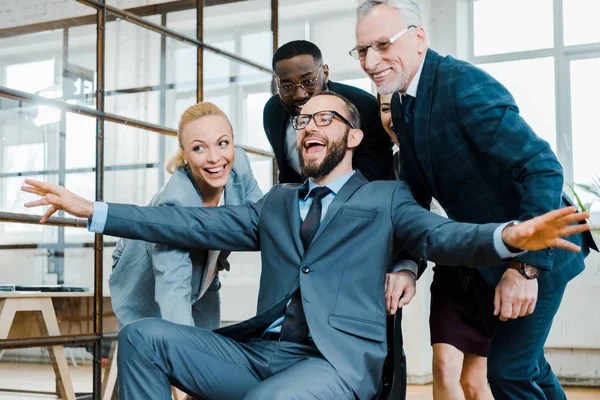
[{"x": 185, "y": 161}]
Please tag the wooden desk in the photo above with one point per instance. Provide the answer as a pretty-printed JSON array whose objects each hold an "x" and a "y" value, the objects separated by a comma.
[{"x": 48, "y": 325}]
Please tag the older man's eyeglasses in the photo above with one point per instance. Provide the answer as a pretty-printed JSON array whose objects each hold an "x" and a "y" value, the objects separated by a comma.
[
  {"x": 360, "y": 52},
  {"x": 308, "y": 85},
  {"x": 321, "y": 118}
]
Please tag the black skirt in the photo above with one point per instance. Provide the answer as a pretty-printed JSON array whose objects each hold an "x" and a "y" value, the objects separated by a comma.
[{"x": 460, "y": 314}]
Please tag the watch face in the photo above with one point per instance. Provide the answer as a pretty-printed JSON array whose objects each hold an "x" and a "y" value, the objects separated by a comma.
[{"x": 530, "y": 271}]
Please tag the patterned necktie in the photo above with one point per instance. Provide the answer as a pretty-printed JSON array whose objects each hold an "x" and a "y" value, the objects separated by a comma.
[{"x": 294, "y": 327}]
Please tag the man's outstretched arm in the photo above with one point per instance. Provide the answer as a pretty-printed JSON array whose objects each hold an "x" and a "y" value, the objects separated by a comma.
[
  {"x": 426, "y": 235},
  {"x": 233, "y": 228}
]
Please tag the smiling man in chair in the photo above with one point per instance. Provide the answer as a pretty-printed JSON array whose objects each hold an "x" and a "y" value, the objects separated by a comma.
[{"x": 326, "y": 245}]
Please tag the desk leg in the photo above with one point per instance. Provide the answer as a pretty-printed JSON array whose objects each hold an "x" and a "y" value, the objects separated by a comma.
[
  {"x": 110, "y": 374},
  {"x": 57, "y": 353},
  {"x": 8, "y": 309}
]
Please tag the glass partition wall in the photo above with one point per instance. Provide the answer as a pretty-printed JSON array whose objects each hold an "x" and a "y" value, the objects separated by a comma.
[{"x": 90, "y": 97}]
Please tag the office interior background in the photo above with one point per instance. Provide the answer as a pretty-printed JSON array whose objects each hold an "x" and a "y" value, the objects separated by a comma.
[{"x": 97, "y": 109}]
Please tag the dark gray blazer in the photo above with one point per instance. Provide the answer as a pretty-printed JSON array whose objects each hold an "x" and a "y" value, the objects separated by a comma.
[
  {"x": 475, "y": 154},
  {"x": 342, "y": 274}
]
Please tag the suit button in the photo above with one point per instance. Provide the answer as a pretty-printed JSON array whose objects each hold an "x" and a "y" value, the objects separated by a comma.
[
  {"x": 549, "y": 251},
  {"x": 305, "y": 270}
]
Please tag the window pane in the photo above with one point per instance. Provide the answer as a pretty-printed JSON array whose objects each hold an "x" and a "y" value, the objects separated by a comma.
[
  {"x": 500, "y": 25},
  {"x": 132, "y": 55},
  {"x": 262, "y": 168},
  {"x": 126, "y": 145},
  {"x": 581, "y": 21},
  {"x": 29, "y": 136},
  {"x": 81, "y": 70},
  {"x": 335, "y": 47},
  {"x": 584, "y": 118},
  {"x": 18, "y": 14},
  {"x": 143, "y": 106},
  {"x": 255, "y": 104},
  {"x": 531, "y": 83},
  {"x": 252, "y": 33},
  {"x": 363, "y": 83},
  {"x": 33, "y": 57},
  {"x": 241, "y": 97},
  {"x": 80, "y": 141},
  {"x": 181, "y": 80}
]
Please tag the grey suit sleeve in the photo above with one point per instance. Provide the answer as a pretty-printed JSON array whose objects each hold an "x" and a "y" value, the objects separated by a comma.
[
  {"x": 233, "y": 228},
  {"x": 423, "y": 234},
  {"x": 172, "y": 283}
]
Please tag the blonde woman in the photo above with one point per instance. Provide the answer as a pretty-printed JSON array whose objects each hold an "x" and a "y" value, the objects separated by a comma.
[
  {"x": 459, "y": 339},
  {"x": 182, "y": 285}
]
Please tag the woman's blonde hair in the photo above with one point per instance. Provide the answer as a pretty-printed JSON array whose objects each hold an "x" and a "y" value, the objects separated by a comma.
[{"x": 193, "y": 113}]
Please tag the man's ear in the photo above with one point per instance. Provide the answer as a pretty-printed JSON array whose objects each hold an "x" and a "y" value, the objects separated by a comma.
[
  {"x": 355, "y": 136},
  {"x": 421, "y": 37},
  {"x": 326, "y": 72}
]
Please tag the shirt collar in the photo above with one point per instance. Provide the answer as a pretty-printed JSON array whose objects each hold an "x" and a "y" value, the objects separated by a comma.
[
  {"x": 414, "y": 83},
  {"x": 335, "y": 185}
]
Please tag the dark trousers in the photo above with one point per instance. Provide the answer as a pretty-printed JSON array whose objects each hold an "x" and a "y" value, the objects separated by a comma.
[
  {"x": 155, "y": 354},
  {"x": 517, "y": 368}
]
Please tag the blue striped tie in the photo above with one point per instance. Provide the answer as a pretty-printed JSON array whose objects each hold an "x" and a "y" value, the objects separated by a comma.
[{"x": 294, "y": 327}]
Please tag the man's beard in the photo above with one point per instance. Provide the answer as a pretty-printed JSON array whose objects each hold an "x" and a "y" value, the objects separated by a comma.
[
  {"x": 398, "y": 85},
  {"x": 335, "y": 155}
]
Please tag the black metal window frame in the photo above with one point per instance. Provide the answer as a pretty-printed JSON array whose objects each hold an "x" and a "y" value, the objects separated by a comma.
[{"x": 106, "y": 13}]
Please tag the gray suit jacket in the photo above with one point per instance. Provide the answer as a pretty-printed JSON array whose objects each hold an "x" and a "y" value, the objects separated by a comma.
[
  {"x": 155, "y": 280},
  {"x": 341, "y": 274}
]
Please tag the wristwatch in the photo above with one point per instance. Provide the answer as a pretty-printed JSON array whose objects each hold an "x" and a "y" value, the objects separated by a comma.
[
  {"x": 513, "y": 250},
  {"x": 527, "y": 270}
]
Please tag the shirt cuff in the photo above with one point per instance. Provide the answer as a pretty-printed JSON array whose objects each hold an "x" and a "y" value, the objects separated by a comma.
[
  {"x": 98, "y": 221},
  {"x": 406, "y": 265},
  {"x": 499, "y": 245}
]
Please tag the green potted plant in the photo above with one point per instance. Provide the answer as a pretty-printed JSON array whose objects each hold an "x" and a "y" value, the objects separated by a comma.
[{"x": 592, "y": 188}]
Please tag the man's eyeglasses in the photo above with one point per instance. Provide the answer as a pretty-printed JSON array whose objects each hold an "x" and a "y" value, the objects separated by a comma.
[
  {"x": 321, "y": 118},
  {"x": 308, "y": 85},
  {"x": 360, "y": 52}
]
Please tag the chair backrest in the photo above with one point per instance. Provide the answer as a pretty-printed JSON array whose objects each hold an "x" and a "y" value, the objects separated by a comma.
[{"x": 394, "y": 367}]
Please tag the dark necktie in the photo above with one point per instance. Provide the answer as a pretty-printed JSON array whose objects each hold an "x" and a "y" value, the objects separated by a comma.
[
  {"x": 294, "y": 327},
  {"x": 408, "y": 104}
]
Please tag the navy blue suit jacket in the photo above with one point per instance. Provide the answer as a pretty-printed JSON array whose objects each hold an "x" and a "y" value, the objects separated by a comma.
[
  {"x": 373, "y": 157},
  {"x": 475, "y": 154}
]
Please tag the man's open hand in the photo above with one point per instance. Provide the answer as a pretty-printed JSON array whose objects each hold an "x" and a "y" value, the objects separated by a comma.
[
  {"x": 58, "y": 198},
  {"x": 547, "y": 230}
]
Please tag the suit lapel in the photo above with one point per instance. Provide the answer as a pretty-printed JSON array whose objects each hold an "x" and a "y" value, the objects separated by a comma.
[
  {"x": 278, "y": 131},
  {"x": 408, "y": 149},
  {"x": 422, "y": 116},
  {"x": 234, "y": 191},
  {"x": 355, "y": 181},
  {"x": 293, "y": 212}
]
